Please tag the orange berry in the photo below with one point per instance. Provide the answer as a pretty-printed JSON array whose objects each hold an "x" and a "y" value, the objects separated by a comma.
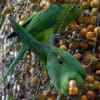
[
  {"x": 43, "y": 95},
  {"x": 22, "y": 17},
  {"x": 73, "y": 90},
  {"x": 47, "y": 4},
  {"x": 88, "y": 56},
  {"x": 86, "y": 19},
  {"x": 92, "y": 20},
  {"x": 63, "y": 47},
  {"x": 98, "y": 71},
  {"x": 35, "y": 80},
  {"x": 94, "y": 12},
  {"x": 84, "y": 31},
  {"x": 73, "y": 25},
  {"x": 95, "y": 4},
  {"x": 73, "y": 45},
  {"x": 84, "y": 97},
  {"x": 84, "y": 45},
  {"x": 90, "y": 79},
  {"x": 97, "y": 30},
  {"x": 45, "y": 73},
  {"x": 51, "y": 96},
  {"x": 42, "y": 4},
  {"x": 91, "y": 95},
  {"x": 96, "y": 84},
  {"x": 90, "y": 27},
  {"x": 89, "y": 35},
  {"x": 45, "y": 92},
  {"x": 62, "y": 41},
  {"x": 78, "y": 56}
]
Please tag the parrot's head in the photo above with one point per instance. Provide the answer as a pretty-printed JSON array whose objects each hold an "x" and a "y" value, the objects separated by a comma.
[
  {"x": 64, "y": 71},
  {"x": 71, "y": 83},
  {"x": 76, "y": 7}
]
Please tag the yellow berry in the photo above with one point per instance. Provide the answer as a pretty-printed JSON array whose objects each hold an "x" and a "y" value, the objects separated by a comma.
[
  {"x": 94, "y": 12},
  {"x": 96, "y": 84},
  {"x": 95, "y": 3},
  {"x": 90, "y": 79},
  {"x": 78, "y": 56},
  {"x": 63, "y": 47},
  {"x": 73, "y": 90},
  {"x": 45, "y": 73},
  {"x": 91, "y": 95},
  {"x": 89, "y": 35},
  {"x": 35, "y": 80},
  {"x": 84, "y": 97},
  {"x": 97, "y": 30}
]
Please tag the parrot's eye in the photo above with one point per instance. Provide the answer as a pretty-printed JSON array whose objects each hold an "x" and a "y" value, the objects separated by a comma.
[
  {"x": 60, "y": 59},
  {"x": 77, "y": 6}
]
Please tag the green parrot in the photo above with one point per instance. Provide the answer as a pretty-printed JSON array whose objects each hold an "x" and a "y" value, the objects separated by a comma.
[
  {"x": 62, "y": 69},
  {"x": 40, "y": 25}
]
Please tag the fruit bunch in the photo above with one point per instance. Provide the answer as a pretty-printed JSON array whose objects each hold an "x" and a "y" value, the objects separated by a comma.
[{"x": 82, "y": 39}]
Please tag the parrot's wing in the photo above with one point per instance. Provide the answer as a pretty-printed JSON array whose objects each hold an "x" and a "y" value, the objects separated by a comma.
[
  {"x": 41, "y": 22},
  {"x": 44, "y": 20},
  {"x": 29, "y": 19}
]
